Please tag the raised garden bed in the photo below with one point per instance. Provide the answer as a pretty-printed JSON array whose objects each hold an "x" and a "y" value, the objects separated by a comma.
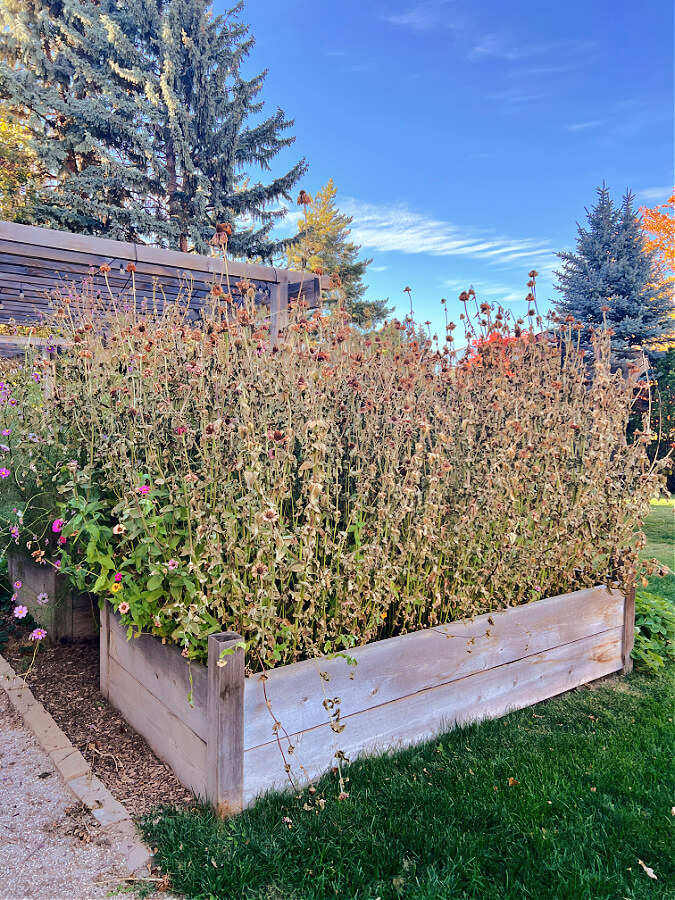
[
  {"x": 66, "y": 615},
  {"x": 227, "y": 736}
]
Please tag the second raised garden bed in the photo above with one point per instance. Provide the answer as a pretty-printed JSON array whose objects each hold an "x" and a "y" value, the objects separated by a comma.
[{"x": 231, "y": 742}]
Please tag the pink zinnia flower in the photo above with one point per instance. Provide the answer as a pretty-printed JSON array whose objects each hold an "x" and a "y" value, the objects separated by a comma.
[
  {"x": 37, "y": 634},
  {"x": 124, "y": 607},
  {"x": 20, "y": 612},
  {"x": 62, "y": 540},
  {"x": 118, "y": 576},
  {"x": 57, "y": 525},
  {"x": 4, "y": 473},
  {"x": 172, "y": 564},
  {"x": 143, "y": 489}
]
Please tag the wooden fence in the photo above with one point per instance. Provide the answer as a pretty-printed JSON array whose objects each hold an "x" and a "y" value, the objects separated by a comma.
[
  {"x": 36, "y": 261},
  {"x": 225, "y": 744}
]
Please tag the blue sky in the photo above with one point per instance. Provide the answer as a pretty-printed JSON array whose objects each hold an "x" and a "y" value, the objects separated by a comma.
[{"x": 466, "y": 138}]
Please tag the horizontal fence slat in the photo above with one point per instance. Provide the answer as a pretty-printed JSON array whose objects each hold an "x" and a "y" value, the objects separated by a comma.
[
  {"x": 165, "y": 674},
  {"x": 421, "y": 716},
  {"x": 394, "y": 668},
  {"x": 173, "y": 742},
  {"x": 50, "y": 239}
]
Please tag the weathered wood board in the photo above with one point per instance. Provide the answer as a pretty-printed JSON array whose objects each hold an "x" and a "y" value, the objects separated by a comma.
[
  {"x": 401, "y": 691},
  {"x": 388, "y": 670},
  {"x": 164, "y": 673},
  {"x": 173, "y": 742},
  {"x": 34, "y": 262},
  {"x": 67, "y": 615},
  {"x": 414, "y": 718}
]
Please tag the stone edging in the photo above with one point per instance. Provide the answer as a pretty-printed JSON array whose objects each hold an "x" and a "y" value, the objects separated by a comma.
[{"x": 73, "y": 768}]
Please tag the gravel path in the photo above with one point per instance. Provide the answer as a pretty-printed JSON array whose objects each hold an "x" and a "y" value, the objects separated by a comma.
[{"x": 50, "y": 847}]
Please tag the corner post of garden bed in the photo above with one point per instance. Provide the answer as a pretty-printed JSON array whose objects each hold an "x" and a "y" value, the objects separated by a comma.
[
  {"x": 225, "y": 724},
  {"x": 104, "y": 642},
  {"x": 628, "y": 629}
]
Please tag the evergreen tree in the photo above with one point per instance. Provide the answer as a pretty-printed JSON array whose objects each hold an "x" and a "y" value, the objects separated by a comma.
[
  {"x": 141, "y": 116},
  {"x": 322, "y": 243},
  {"x": 613, "y": 268}
]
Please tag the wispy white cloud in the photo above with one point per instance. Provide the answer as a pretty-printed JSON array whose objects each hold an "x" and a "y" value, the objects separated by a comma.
[
  {"x": 400, "y": 230},
  {"x": 423, "y": 16},
  {"x": 487, "y": 290},
  {"x": 584, "y": 126},
  {"x": 656, "y": 193},
  {"x": 502, "y": 46},
  {"x": 517, "y": 96},
  {"x": 377, "y": 268}
]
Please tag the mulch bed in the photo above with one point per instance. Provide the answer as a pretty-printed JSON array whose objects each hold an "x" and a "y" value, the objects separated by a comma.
[{"x": 65, "y": 680}]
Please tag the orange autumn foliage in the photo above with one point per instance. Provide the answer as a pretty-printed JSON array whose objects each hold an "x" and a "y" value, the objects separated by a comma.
[{"x": 659, "y": 227}]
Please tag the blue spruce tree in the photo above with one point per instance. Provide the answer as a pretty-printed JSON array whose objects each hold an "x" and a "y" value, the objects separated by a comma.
[
  {"x": 141, "y": 119},
  {"x": 613, "y": 268}
]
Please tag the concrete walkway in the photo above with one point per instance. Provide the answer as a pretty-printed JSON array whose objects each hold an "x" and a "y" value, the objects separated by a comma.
[{"x": 51, "y": 847}]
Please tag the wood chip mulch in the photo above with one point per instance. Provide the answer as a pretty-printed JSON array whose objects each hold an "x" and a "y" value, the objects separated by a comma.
[{"x": 65, "y": 680}]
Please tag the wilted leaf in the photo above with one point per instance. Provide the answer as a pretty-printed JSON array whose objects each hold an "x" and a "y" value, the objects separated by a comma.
[
  {"x": 512, "y": 782},
  {"x": 648, "y": 870}
]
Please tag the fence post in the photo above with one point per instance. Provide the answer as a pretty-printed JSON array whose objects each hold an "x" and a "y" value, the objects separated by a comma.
[
  {"x": 104, "y": 643},
  {"x": 278, "y": 310},
  {"x": 225, "y": 725},
  {"x": 628, "y": 629}
]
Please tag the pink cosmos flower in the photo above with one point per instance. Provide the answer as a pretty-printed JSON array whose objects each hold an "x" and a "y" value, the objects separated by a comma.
[
  {"x": 124, "y": 607},
  {"x": 4, "y": 473},
  {"x": 43, "y": 598},
  {"x": 537, "y": 587},
  {"x": 14, "y": 531},
  {"x": 118, "y": 576},
  {"x": 20, "y": 612},
  {"x": 143, "y": 489},
  {"x": 172, "y": 564},
  {"x": 37, "y": 634},
  {"x": 17, "y": 585},
  {"x": 6, "y": 432},
  {"x": 57, "y": 525},
  {"x": 58, "y": 563}
]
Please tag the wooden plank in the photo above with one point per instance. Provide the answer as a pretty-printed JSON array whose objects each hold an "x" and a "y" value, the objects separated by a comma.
[
  {"x": 104, "y": 653},
  {"x": 414, "y": 662},
  {"x": 84, "y": 618},
  {"x": 165, "y": 674},
  {"x": 414, "y": 719},
  {"x": 173, "y": 742},
  {"x": 108, "y": 249},
  {"x": 628, "y": 630},
  {"x": 225, "y": 743}
]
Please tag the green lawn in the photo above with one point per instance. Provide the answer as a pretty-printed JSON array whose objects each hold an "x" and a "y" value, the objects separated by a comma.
[
  {"x": 660, "y": 531},
  {"x": 596, "y": 783},
  {"x": 556, "y": 802}
]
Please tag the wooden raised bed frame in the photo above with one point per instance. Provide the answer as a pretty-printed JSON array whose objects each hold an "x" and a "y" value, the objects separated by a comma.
[
  {"x": 68, "y": 616},
  {"x": 225, "y": 747}
]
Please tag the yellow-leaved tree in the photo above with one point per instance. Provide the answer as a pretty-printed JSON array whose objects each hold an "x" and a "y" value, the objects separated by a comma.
[
  {"x": 19, "y": 171},
  {"x": 323, "y": 246}
]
